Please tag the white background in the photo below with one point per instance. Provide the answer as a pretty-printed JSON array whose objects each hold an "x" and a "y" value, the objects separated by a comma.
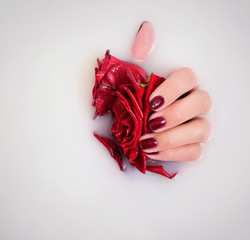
[{"x": 58, "y": 182}]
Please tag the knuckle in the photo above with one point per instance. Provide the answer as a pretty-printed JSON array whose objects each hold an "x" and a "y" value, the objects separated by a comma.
[
  {"x": 195, "y": 152},
  {"x": 203, "y": 129},
  {"x": 169, "y": 141},
  {"x": 205, "y": 100},
  {"x": 176, "y": 113},
  {"x": 187, "y": 71},
  {"x": 189, "y": 74},
  {"x": 166, "y": 155}
]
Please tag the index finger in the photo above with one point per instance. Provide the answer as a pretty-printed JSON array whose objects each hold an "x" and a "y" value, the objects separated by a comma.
[{"x": 177, "y": 84}]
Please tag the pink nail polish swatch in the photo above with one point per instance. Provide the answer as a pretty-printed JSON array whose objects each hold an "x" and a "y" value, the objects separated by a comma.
[{"x": 144, "y": 42}]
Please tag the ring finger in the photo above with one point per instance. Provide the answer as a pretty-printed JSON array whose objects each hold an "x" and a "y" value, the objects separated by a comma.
[{"x": 194, "y": 131}]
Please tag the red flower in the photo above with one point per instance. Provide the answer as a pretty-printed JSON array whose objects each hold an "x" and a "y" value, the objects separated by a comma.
[
  {"x": 120, "y": 89},
  {"x": 110, "y": 74}
]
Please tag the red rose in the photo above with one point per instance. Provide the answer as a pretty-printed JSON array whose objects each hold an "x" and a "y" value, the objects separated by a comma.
[
  {"x": 120, "y": 88},
  {"x": 110, "y": 74}
]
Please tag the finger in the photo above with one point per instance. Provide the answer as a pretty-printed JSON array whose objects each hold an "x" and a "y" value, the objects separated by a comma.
[
  {"x": 195, "y": 104},
  {"x": 195, "y": 131},
  {"x": 188, "y": 152},
  {"x": 172, "y": 88}
]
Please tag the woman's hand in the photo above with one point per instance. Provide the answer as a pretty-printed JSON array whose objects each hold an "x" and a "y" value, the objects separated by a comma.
[{"x": 177, "y": 133}]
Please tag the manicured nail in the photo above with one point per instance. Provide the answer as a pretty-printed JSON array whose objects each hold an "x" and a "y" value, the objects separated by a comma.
[
  {"x": 157, "y": 123},
  {"x": 148, "y": 143},
  {"x": 156, "y": 102},
  {"x": 153, "y": 153}
]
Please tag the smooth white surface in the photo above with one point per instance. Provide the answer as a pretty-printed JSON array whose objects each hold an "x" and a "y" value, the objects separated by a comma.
[{"x": 58, "y": 182}]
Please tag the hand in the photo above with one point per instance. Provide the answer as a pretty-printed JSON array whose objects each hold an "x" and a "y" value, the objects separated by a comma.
[{"x": 177, "y": 131}]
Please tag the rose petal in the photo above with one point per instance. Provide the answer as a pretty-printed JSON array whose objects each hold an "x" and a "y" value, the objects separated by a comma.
[
  {"x": 154, "y": 82},
  {"x": 137, "y": 124},
  {"x": 112, "y": 148},
  {"x": 119, "y": 67},
  {"x": 135, "y": 102},
  {"x": 139, "y": 90},
  {"x": 104, "y": 96},
  {"x": 112, "y": 72},
  {"x": 140, "y": 162},
  {"x": 160, "y": 170},
  {"x": 121, "y": 130}
]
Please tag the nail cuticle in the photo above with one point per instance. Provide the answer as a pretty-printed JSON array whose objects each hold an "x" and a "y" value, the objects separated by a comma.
[{"x": 153, "y": 153}]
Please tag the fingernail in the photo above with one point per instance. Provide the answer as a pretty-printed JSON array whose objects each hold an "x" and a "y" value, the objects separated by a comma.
[
  {"x": 148, "y": 143},
  {"x": 157, "y": 123},
  {"x": 156, "y": 102},
  {"x": 153, "y": 153}
]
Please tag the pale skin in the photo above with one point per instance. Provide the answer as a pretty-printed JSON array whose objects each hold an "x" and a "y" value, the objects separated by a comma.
[{"x": 182, "y": 130}]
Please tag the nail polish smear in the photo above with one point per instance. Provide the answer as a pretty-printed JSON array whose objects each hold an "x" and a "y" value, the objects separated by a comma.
[
  {"x": 156, "y": 102},
  {"x": 144, "y": 42}
]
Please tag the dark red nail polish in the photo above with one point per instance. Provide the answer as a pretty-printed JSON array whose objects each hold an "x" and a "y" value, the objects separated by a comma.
[
  {"x": 156, "y": 102},
  {"x": 153, "y": 153},
  {"x": 157, "y": 123},
  {"x": 148, "y": 143}
]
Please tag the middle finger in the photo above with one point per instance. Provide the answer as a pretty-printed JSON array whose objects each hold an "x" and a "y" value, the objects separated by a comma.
[{"x": 195, "y": 104}]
